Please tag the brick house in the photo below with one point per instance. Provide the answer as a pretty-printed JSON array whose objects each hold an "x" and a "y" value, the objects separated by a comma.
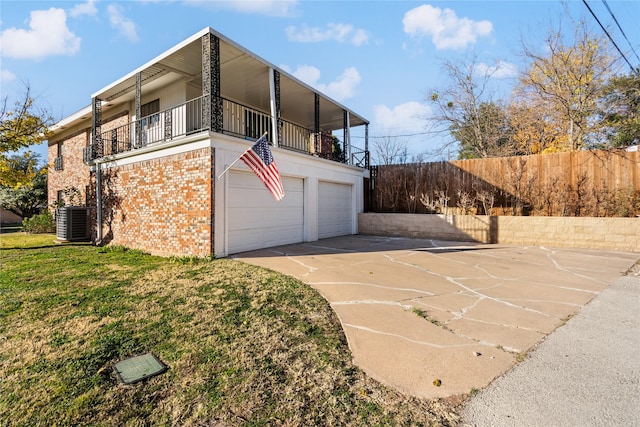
[{"x": 146, "y": 154}]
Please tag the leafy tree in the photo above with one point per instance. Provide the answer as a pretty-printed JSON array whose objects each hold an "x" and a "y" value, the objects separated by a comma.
[
  {"x": 536, "y": 130},
  {"x": 336, "y": 148},
  {"x": 28, "y": 199},
  {"x": 18, "y": 170},
  {"x": 621, "y": 111},
  {"x": 486, "y": 133},
  {"x": 466, "y": 110},
  {"x": 568, "y": 78},
  {"x": 24, "y": 125}
]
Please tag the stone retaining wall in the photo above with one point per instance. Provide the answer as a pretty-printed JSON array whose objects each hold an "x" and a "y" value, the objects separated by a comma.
[{"x": 621, "y": 234}]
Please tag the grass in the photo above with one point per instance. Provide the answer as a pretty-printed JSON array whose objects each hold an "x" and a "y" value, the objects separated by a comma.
[
  {"x": 244, "y": 345},
  {"x": 425, "y": 315}
]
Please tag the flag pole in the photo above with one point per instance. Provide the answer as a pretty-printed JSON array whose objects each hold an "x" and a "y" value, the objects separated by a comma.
[{"x": 236, "y": 160}]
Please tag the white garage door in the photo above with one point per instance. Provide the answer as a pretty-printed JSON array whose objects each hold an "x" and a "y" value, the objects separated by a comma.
[
  {"x": 335, "y": 213},
  {"x": 256, "y": 220}
]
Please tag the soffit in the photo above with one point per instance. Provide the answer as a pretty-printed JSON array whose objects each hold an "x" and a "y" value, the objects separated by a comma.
[{"x": 244, "y": 79}]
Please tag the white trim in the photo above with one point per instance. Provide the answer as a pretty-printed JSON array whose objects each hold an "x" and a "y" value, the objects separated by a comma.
[
  {"x": 67, "y": 121},
  {"x": 159, "y": 150}
]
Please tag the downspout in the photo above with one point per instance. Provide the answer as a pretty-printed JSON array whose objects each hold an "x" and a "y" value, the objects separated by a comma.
[
  {"x": 97, "y": 151},
  {"x": 98, "y": 203}
]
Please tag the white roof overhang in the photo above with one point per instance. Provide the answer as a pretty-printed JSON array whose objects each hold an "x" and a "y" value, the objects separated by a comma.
[{"x": 244, "y": 78}]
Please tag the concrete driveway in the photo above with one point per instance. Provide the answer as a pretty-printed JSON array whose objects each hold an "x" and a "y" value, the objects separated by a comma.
[{"x": 434, "y": 318}]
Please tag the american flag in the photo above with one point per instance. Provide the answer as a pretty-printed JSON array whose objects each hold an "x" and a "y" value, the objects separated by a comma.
[{"x": 260, "y": 160}]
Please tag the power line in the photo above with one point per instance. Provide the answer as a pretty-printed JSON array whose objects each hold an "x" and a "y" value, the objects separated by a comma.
[
  {"x": 400, "y": 136},
  {"x": 620, "y": 28},
  {"x": 609, "y": 36}
]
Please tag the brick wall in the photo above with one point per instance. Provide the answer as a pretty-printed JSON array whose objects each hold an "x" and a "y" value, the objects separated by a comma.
[
  {"x": 163, "y": 206},
  {"x": 74, "y": 172},
  {"x": 582, "y": 232}
]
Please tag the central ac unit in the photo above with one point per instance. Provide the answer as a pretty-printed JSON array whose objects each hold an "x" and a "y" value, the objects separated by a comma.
[{"x": 72, "y": 223}]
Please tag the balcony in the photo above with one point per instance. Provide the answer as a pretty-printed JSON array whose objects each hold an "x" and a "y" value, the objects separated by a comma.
[{"x": 186, "y": 119}]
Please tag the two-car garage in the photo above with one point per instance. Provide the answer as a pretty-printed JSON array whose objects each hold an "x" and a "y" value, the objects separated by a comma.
[{"x": 255, "y": 220}]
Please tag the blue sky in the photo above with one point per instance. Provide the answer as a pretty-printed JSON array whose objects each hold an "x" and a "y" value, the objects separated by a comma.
[{"x": 378, "y": 58}]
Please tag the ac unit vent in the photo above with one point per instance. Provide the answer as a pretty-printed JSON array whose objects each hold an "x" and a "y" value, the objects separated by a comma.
[{"x": 72, "y": 223}]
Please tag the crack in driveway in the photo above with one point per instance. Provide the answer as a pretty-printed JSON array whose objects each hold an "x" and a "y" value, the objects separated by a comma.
[{"x": 484, "y": 303}]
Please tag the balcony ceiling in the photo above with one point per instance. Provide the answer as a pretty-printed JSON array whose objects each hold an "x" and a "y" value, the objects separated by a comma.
[{"x": 244, "y": 79}]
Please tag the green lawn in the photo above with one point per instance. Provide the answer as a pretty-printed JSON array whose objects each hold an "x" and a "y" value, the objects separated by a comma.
[{"x": 244, "y": 345}]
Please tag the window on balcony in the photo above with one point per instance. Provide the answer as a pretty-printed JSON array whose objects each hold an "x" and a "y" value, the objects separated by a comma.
[
  {"x": 57, "y": 162},
  {"x": 148, "y": 112},
  {"x": 150, "y": 123}
]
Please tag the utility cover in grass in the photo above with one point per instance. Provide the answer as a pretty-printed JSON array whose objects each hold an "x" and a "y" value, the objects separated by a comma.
[{"x": 139, "y": 368}]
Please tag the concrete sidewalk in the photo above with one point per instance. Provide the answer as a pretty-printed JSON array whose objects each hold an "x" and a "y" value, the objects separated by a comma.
[
  {"x": 587, "y": 373},
  {"x": 417, "y": 312}
]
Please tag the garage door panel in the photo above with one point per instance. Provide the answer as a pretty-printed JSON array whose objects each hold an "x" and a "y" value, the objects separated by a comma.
[
  {"x": 256, "y": 220},
  {"x": 335, "y": 209},
  {"x": 246, "y": 240}
]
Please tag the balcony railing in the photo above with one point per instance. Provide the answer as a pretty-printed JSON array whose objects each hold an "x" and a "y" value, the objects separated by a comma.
[
  {"x": 185, "y": 119},
  {"x": 58, "y": 163},
  {"x": 359, "y": 157},
  {"x": 249, "y": 123}
]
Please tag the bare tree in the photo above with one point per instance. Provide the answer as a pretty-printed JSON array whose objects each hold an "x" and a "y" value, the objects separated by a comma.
[
  {"x": 390, "y": 183},
  {"x": 487, "y": 198},
  {"x": 467, "y": 111},
  {"x": 466, "y": 201},
  {"x": 390, "y": 150}
]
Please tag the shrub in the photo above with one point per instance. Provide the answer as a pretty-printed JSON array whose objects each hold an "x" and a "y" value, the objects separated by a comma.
[{"x": 41, "y": 223}]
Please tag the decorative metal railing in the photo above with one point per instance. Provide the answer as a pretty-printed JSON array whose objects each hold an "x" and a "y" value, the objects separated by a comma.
[
  {"x": 185, "y": 119},
  {"x": 58, "y": 163},
  {"x": 359, "y": 157}
]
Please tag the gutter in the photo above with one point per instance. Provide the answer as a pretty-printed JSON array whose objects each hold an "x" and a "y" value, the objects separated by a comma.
[{"x": 98, "y": 203}]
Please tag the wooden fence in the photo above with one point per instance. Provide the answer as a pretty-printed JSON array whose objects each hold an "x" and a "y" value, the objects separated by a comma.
[{"x": 584, "y": 183}]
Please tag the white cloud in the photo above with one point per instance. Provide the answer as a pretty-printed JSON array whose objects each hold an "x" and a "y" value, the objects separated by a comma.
[
  {"x": 501, "y": 70},
  {"x": 263, "y": 7},
  {"x": 47, "y": 35},
  {"x": 407, "y": 117},
  {"x": 446, "y": 29},
  {"x": 88, "y": 8},
  {"x": 339, "y": 32},
  {"x": 124, "y": 25},
  {"x": 307, "y": 73},
  {"x": 342, "y": 88},
  {"x": 360, "y": 37},
  {"x": 6, "y": 76}
]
